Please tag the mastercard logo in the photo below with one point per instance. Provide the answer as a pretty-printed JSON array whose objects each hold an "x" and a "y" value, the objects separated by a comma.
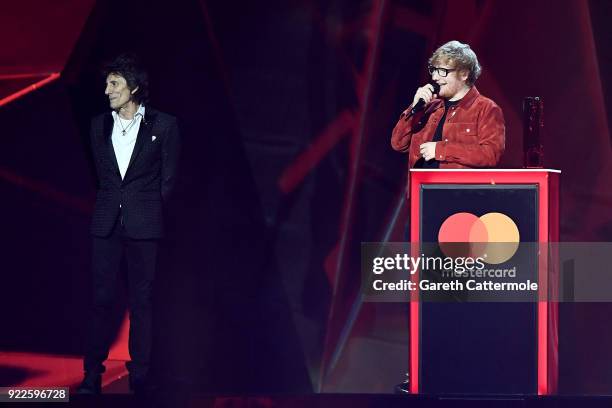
[{"x": 492, "y": 236}]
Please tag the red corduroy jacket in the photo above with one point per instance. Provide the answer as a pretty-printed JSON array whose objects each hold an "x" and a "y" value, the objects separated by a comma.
[{"x": 473, "y": 134}]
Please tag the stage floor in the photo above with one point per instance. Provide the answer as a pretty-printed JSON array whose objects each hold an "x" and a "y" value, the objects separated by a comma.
[
  {"x": 44, "y": 370},
  {"x": 338, "y": 401}
]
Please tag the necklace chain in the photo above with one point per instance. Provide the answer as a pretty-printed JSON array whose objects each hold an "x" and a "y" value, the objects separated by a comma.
[{"x": 128, "y": 127}]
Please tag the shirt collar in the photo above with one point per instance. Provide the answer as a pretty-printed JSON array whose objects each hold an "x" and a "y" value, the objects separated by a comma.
[{"x": 139, "y": 112}]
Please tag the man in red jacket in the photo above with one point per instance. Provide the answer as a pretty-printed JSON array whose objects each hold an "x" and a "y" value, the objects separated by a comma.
[{"x": 457, "y": 127}]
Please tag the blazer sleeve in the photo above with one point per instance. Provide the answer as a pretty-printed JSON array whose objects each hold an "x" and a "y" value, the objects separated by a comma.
[
  {"x": 94, "y": 152},
  {"x": 171, "y": 147}
]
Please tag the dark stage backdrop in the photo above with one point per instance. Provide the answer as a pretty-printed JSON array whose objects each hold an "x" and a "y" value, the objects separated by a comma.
[{"x": 286, "y": 110}]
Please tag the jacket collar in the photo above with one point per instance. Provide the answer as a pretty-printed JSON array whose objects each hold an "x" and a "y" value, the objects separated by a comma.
[
  {"x": 144, "y": 133},
  {"x": 469, "y": 98}
]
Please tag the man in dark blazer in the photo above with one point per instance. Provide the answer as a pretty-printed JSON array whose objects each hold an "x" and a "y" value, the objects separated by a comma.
[{"x": 135, "y": 150}]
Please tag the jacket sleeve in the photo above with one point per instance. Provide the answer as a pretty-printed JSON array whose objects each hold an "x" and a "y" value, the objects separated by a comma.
[
  {"x": 489, "y": 148},
  {"x": 403, "y": 131},
  {"x": 94, "y": 153},
  {"x": 171, "y": 147}
]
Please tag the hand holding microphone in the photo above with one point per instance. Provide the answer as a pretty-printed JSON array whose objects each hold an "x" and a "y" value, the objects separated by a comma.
[{"x": 423, "y": 96}]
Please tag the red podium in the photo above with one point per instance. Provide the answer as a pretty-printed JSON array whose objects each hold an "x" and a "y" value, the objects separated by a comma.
[{"x": 486, "y": 348}]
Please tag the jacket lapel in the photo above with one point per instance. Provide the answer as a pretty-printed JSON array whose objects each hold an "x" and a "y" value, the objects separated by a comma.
[
  {"x": 144, "y": 134},
  {"x": 108, "y": 138}
]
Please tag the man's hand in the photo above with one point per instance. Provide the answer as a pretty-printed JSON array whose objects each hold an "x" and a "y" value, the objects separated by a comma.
[
  {"x": 428, "y": 150},
  {"x": 425, "y": 92}
]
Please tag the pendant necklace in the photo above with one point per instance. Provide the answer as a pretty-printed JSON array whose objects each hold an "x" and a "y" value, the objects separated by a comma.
[{"x": 125, "y": 129}]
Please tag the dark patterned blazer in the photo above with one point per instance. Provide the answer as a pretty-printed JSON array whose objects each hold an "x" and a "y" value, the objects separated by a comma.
[{"x": 148, "y": 181}]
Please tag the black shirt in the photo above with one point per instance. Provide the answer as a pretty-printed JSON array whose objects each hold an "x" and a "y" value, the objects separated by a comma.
[{"x": 433, "y": 163}]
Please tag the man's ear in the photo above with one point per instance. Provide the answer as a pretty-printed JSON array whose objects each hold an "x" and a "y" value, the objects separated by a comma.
[
  {"x": 464, "y": 74},
  {"x": 134, "y": 90}
]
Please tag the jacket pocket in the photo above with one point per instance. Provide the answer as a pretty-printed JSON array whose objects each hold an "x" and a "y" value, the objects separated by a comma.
[{"x": 466, "y": 133}]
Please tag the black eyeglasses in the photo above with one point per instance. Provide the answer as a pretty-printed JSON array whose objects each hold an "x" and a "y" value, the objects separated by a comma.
[{"x": 443, "y": 72}]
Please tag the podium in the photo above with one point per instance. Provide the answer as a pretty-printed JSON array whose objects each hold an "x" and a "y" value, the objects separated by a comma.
[{"x": 460, "y": 347}]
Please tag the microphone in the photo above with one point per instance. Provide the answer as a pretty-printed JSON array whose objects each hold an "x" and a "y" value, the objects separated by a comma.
[{"x": 421, "y": 103}]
